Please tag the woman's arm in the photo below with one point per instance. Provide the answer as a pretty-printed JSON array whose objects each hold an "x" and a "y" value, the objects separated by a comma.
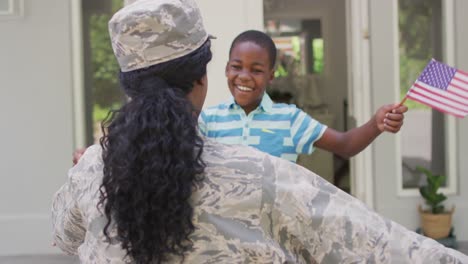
[
  {"x": 68, "y": 227},
  {"x": 318, "y": 221},
  {"x": 69, "y": 222}
]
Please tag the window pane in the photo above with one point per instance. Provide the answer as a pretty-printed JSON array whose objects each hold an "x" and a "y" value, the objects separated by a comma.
[
  {"x": 317, "y": 47},
  {"x": 423, "y": 140},
  {"x": 300, "y": 45}
]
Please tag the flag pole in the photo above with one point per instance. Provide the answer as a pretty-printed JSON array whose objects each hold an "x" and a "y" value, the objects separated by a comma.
[
  {"x": 403, "y": 101},
  {"x": 404, "y": 98}
]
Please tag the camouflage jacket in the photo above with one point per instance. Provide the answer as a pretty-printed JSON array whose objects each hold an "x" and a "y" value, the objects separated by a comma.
[{"x": 251, "y": 208}]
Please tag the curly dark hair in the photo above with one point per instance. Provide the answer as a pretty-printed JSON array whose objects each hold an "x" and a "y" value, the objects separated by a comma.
[{"x": 152, "y": 159}]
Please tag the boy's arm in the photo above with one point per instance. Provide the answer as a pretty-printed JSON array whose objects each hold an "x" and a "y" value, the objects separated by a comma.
[{"x": 347, "y": 144}]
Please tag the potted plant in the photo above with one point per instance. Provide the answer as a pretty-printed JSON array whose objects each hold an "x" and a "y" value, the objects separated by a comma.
[{"x": 436, "y": 221}]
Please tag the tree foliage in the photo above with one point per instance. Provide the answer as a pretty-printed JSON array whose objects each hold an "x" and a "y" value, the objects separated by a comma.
[{"x": 106, "y": 92}]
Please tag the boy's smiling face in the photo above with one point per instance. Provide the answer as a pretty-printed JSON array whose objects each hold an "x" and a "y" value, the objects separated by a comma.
[{"x": 248, "y": 72}]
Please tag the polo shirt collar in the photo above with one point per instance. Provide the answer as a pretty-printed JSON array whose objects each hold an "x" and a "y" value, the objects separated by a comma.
[{"x": 266, "y": 104}]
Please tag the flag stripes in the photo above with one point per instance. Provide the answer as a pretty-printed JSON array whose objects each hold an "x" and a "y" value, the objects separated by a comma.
[{"x": 443, "y": 88}]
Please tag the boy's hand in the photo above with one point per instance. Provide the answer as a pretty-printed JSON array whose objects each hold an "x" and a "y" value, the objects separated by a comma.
[
  {"x": 77, "y": 155},
  {"x": 390, "y": 117}
]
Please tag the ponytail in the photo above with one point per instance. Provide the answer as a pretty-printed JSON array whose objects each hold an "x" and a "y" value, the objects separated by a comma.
[{"x": 152, "y": 159}]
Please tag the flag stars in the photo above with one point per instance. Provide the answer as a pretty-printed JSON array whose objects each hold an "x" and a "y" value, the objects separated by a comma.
[{"x": 437, "y": 74}]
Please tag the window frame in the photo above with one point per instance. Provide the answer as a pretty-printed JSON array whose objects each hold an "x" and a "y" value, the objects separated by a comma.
[
  {"x": 14, "y": 11},
  {"x": 450, "y": 124}
]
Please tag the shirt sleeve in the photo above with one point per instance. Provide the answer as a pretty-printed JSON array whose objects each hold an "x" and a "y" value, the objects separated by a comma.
[
  {"x": 313, "y": 217},
  {"x": 68, "y": 227},
  {"x": 305, "y": 131},
  {"x": 68, "y": 217}
]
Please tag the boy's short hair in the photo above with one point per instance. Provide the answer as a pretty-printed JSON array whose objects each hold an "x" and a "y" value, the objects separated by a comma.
[{"x": 259, "y": 38}]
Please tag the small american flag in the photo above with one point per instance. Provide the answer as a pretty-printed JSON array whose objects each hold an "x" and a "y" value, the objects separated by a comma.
[{"x": 443, "y": 88}]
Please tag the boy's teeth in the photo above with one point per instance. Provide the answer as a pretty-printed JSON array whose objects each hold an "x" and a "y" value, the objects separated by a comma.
[{"x": 243, "y": 88}]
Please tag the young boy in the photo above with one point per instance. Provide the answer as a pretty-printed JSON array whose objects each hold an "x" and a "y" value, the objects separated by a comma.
[{"x": 282, "y": 130}]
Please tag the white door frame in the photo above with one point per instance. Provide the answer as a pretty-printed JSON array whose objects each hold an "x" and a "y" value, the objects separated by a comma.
[
  {"x": 76, "y": 35},
  {"x": 359, "y": 94}
]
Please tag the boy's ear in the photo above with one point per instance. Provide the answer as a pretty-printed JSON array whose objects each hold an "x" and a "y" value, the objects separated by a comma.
[
  {"x": 272, "y": 74},
  {"x": 226, "y": 69}
]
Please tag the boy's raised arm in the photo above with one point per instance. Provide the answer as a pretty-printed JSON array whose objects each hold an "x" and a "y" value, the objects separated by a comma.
[{"x": 347, "y": 144}]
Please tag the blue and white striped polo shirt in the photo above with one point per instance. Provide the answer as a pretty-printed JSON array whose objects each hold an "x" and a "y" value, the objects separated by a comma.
[{"x": 281, "y": 130}]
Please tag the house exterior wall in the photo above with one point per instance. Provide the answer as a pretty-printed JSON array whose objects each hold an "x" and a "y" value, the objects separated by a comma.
[{"x": 37, "y": 122}]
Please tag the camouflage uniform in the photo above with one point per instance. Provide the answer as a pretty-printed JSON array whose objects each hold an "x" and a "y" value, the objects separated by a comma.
[{"x": 251, "y": 208}]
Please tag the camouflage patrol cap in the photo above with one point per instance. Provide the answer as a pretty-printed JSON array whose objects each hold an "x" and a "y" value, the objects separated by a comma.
[{"x": 149, "y": 32}]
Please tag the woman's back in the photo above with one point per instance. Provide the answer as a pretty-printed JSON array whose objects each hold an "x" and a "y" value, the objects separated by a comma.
[
  {"x": 230, "y": 216},
  {"x": 250, "y": 208}
]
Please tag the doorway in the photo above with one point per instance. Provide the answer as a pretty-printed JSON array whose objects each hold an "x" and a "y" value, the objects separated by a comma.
[{"x": 311, "y": 71}]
